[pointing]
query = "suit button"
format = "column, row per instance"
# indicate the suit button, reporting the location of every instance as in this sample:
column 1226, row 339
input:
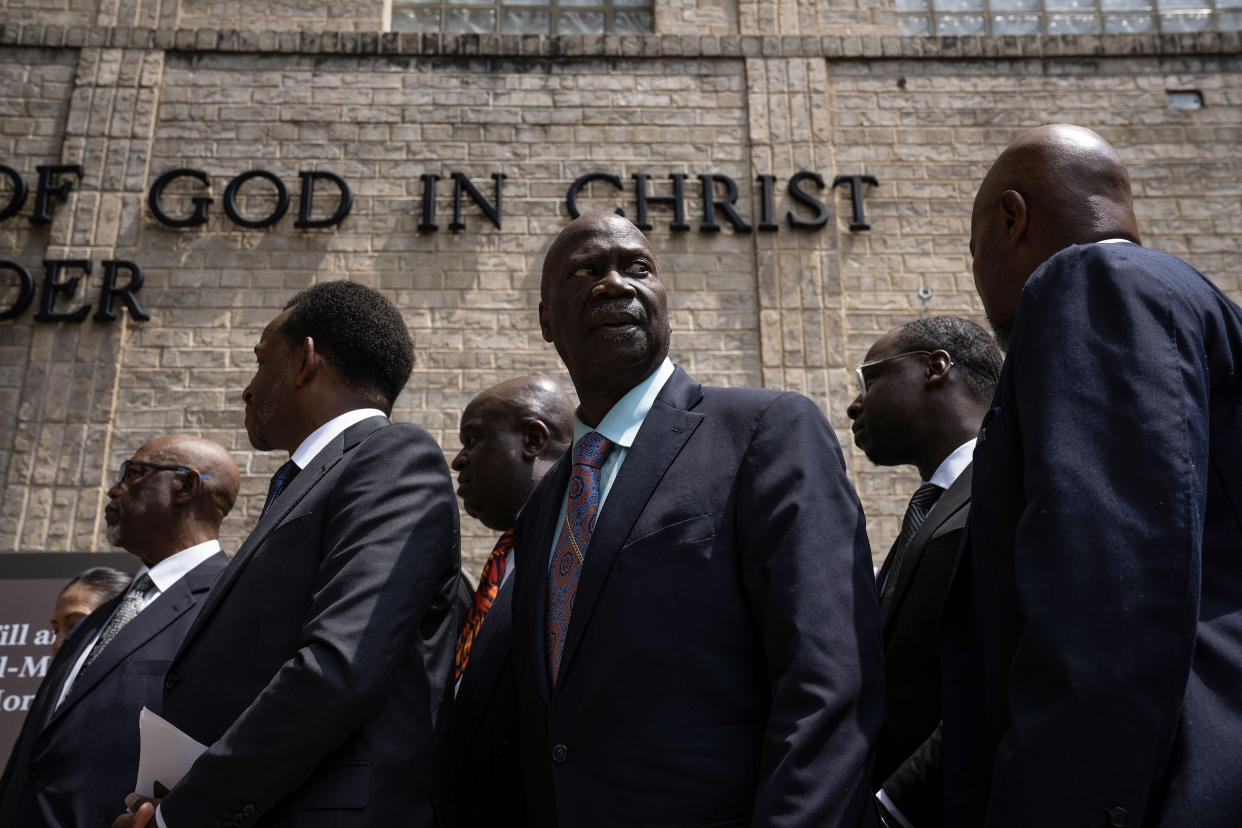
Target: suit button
column 1117, row 817
column 31, row 776
column 170, row 681
column 560, row 753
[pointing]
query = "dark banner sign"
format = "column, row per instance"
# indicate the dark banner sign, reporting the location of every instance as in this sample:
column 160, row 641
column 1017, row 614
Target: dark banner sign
column 29, row 585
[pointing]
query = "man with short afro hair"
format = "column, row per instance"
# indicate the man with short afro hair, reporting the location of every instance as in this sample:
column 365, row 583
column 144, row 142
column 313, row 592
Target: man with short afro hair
column 319, row 671
column 358, row 331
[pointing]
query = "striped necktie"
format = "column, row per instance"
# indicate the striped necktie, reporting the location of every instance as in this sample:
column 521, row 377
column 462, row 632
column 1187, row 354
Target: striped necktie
column 282, row 478
column 916, row 513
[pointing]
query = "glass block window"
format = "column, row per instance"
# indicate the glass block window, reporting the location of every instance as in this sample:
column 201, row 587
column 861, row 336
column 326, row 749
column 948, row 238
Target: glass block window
column 523, row 16
column 1019, row 17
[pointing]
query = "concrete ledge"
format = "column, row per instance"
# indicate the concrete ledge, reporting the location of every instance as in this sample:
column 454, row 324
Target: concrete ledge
column 852, row 47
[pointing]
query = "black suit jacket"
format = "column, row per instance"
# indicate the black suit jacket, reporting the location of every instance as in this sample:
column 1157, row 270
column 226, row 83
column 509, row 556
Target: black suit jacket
column 722, row 665
column 908, row 751
column 483, row 742
column 73, row 765
column 321, row 663
column 1092, row 657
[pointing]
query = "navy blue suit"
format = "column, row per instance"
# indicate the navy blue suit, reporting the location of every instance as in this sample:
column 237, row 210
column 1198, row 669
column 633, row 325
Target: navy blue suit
column 321, row 664
column 722, row 664
column 483, row 738
column 73, row 765
column 1092, row 650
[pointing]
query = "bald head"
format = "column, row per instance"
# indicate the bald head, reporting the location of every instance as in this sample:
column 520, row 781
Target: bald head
column 603, row 305
column 174, row 494
column 511, row 434
column 1053, row 187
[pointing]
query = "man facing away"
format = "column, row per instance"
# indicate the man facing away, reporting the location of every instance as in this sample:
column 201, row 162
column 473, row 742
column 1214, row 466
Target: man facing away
column 1093, row 630
column 511, row 434
column 320, row 667
column 165, row 509
column 695, row 619
column 923, row 390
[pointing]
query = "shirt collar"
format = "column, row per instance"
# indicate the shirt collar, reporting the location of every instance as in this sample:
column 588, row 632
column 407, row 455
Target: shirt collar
column 951, row 467
column 170, row 570
column 1114, row 241
column 320, row 437
column 625, row 418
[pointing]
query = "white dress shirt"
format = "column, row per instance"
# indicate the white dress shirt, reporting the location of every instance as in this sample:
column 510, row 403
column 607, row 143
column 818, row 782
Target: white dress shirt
column 163, row 575
column 326, row 433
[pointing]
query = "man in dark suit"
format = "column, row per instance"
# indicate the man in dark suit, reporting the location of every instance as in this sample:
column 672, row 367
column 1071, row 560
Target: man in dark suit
column 320, row 666
column 511, row 434
column 166, row 510
column 707, row 652
column 923, row 390
column 1093, row 630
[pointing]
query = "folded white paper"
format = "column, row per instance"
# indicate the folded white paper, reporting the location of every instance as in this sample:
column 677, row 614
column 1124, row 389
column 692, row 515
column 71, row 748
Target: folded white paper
column 165, row 754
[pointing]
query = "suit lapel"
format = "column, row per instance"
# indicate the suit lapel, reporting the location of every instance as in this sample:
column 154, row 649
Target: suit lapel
column 84, row 634
column 167, row 607
column 301, row 485
column 487, row 661
column 664, row 433
column 949, row 504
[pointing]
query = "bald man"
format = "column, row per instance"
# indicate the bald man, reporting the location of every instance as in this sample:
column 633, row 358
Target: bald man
column 1092, row 649
column 165, row 508
column 511, row 434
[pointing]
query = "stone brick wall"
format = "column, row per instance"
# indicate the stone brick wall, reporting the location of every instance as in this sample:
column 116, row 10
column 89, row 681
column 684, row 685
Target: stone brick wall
column 789, row 309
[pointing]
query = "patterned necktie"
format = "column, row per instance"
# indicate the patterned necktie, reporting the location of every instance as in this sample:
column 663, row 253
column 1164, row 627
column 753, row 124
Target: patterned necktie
column 571, row 546
column 489, row 585
column 920, row 506
column 125, row 612
column 282, row 478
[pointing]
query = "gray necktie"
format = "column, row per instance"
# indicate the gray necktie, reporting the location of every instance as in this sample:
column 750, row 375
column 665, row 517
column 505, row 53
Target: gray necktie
column 920, row 507
column 126, row 611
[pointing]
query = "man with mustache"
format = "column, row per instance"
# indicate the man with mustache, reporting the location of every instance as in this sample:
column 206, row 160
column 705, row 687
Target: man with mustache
column 511, row 434
column 697, row 635
column 1092, row 648
column 165, row 508
column 319, row 670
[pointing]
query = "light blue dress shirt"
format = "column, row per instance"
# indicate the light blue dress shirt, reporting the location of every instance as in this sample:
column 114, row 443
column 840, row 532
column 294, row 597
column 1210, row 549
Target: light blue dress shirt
column 620, row 425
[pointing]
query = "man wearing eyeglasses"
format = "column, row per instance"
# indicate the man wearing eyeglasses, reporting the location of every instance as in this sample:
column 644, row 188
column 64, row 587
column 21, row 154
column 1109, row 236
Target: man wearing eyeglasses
column 165, row 508
column 1092, row 653
column 922, row 392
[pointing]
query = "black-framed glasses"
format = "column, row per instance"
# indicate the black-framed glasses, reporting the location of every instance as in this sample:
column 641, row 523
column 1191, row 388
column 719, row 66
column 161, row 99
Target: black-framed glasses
column 133, row 470
column 862, row 380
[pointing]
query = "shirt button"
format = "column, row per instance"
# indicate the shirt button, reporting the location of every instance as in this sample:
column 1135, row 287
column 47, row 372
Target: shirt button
column 560, row 754
column 1117, row 817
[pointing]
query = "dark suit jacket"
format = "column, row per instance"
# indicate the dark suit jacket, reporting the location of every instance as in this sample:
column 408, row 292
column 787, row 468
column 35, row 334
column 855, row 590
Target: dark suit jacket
column 320, row 665
column 73, row 765
column 483, row 741
column 1092, row 657
column 908, row 751
column 722, row 665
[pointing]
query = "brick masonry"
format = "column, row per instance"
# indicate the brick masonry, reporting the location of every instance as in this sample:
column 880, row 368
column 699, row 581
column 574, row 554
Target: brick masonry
column 732, row 88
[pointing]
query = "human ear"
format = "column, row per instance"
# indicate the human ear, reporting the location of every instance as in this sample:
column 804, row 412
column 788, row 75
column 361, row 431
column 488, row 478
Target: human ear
column 938, row 365
column 535, row 438
column 308, row 360
column 545, row 321
column 1014, row 213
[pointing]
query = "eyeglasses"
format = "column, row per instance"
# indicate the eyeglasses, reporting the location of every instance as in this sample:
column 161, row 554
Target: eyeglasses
column 133, row 470
column 862, row 380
